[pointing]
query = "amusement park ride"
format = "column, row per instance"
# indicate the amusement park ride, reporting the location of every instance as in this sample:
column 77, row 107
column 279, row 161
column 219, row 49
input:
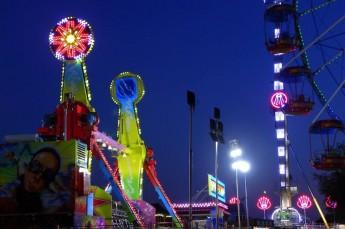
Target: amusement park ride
column 284, row 41
column 72, row 131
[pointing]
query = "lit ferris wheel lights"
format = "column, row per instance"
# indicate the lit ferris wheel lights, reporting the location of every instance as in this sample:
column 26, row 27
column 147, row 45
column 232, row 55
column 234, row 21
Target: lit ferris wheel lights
column 279, row 99
column 331, row 203
column 71, row 39
column 264, row 203
column 304, row 202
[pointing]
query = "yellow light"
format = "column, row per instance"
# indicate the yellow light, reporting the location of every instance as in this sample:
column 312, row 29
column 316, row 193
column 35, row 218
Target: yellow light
column 70, row 38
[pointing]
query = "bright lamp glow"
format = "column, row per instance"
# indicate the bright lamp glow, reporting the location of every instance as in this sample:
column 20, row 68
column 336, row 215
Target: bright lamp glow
column 241, row 165
column 237, row 152
column 235, row 149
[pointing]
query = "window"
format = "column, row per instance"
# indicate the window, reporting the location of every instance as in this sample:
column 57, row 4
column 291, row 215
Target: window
column 281, row 169
column 280, row 133
column 278, row 85
column 281, row 151
column 279, row 116
column 277, row 67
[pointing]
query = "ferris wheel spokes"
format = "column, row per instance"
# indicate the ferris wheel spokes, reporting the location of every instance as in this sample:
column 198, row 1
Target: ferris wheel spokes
column 315, row 8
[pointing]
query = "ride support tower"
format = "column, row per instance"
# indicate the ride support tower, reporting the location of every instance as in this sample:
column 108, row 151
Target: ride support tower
column 127, row 89
column 71, row 40
column 288, row 98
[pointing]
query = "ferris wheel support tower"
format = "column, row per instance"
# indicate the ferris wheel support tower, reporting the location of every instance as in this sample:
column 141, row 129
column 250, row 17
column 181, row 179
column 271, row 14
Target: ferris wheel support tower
column 281, row 42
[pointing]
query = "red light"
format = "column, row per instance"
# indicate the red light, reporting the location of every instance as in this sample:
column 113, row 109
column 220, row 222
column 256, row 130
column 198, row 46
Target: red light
column 279, row 99
column 331, row 203
column 263, row 203
column 234, row 200
column 304, row 202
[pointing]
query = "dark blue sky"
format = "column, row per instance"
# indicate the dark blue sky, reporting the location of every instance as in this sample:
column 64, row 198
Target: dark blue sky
column 215, row 48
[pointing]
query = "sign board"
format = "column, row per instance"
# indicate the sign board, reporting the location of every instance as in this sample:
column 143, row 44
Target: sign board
column 212, row 188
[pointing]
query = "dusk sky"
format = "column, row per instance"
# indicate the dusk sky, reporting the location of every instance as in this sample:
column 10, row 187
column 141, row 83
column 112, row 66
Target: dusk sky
column 214, row 48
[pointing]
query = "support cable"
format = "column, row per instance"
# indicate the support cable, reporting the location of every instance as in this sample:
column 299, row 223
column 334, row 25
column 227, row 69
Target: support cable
column 309, row 188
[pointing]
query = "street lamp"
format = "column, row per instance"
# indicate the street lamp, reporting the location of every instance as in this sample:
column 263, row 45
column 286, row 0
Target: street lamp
column 235, row 152
column 235, row 149
column 244, row 168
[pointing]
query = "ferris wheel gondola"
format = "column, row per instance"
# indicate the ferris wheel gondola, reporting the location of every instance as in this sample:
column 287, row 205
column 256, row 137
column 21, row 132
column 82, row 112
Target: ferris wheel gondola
column 282, row 40
column 295, row 76
column 320, row 24
column 332, row 154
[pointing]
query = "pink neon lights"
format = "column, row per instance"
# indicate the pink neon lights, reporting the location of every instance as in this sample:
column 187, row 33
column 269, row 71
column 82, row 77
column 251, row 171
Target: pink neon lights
column 117, row 181
column 331, row 203
column 71, row 39
column 279, row 99
column 263, row 203
column 200, row 205
column 234, row 200
column 304, row 202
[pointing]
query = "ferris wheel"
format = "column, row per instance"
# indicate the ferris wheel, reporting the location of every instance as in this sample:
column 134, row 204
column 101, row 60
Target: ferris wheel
column 321, row 32
column 309, row 39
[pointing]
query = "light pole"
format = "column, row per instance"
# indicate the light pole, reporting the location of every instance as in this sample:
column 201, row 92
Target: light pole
column 216, row 132
column 191, row 103
column 235, row 152
column 244, row 168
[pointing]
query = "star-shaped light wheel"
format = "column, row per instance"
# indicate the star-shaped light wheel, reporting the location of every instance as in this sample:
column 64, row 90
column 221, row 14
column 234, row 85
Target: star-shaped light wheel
column 71, row 39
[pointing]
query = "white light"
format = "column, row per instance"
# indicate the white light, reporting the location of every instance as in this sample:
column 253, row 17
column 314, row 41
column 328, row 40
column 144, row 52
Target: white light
column 278, row 85
column 280, row 133
column 237, row 152
column 279, row 116
column 281, row 151
column 282, row 184
column 277, row 67
column 276, row 33
column 241, row 165
column 281, row 169
column 51, row 38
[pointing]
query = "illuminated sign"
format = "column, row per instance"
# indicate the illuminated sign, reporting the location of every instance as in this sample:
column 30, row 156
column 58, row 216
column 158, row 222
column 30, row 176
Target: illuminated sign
column 304, row 202
column 263, row 203
column 234, row 200
column 279, row 99
column 330, row 203
column 212, row 188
